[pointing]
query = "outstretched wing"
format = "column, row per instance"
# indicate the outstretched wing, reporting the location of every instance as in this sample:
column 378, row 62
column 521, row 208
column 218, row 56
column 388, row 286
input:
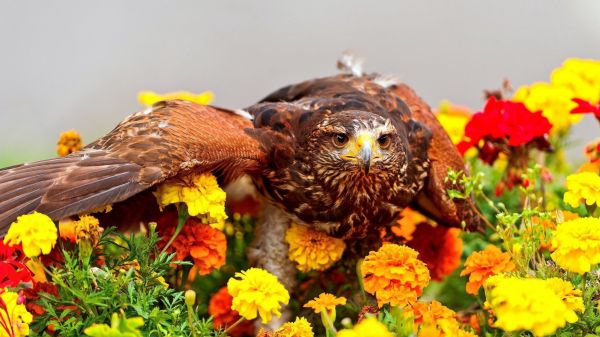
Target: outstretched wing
column 170, row 139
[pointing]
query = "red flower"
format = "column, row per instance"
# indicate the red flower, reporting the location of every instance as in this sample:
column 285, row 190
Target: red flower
column 223, row 316
column 439, row 247
column 504, row 120
column 12, row 269
column 32, row 295
column 584, row 107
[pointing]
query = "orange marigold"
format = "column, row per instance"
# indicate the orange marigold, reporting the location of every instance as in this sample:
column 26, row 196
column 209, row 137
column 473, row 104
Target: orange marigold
column 481, row 265
column 68, row 142
column 439, row 247
column 325, row 301
column 219, row 307
column 430, row 312
column 394, row 275
column 205, row 245
column 409, row 219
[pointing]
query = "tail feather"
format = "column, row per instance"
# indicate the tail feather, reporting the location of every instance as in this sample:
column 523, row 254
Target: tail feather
column 65, row 186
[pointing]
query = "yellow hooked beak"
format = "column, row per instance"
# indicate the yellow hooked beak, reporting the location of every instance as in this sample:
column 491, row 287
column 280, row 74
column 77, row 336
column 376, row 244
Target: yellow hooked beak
column 363, row 150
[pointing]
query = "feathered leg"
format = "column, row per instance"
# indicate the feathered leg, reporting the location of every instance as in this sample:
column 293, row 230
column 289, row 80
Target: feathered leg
column 270, row 252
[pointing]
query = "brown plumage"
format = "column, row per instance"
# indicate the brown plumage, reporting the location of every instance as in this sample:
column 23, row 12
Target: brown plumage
column 342, row 153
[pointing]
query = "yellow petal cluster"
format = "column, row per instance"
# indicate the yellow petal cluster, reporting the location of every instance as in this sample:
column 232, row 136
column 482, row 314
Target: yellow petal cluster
column 529, row 304
column 369, row 327
column 202, row 195
column 576, row 244
column 326, row 302
column 299, row 328
column 15, row 316
column 88, row 229
column 434, row 319
column 256, row 292
column 312, row 249
column 570, row 296
column 149, row 97
column 68, row 142
column 394, row 275
column 576, row 78
column 36, row 232
column 453, row 118
column 583, row 186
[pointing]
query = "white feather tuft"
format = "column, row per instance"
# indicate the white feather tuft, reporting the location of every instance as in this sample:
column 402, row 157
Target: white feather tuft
column 386, row 81
column 243, row 113
column 348, row 63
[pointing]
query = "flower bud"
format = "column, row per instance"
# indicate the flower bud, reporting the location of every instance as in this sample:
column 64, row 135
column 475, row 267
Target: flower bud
column 190, row 297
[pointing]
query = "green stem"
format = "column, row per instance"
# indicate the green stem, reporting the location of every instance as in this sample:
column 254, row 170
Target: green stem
column 361, row 284
column 231, row 327
column 183, row 215
column 327, row 322
column 191, row 320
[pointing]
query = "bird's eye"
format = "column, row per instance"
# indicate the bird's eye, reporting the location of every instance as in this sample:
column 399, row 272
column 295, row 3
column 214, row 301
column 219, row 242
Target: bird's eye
column 384, row 141
column 340, row 140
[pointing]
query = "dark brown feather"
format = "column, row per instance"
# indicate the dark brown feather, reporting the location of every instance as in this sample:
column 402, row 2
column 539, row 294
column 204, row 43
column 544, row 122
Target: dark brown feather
column 170, row 139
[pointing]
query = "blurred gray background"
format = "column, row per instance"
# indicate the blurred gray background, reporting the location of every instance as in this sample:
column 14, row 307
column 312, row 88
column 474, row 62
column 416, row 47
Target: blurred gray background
column 80, row 64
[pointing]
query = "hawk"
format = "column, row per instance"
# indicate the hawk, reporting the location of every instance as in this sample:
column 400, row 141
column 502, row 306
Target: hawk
column 344, row 154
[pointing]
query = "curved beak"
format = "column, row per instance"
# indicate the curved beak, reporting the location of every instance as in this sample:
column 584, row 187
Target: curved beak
column 365, row 155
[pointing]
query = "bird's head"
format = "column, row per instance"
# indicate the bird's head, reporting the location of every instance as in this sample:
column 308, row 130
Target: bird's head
column 358, row 142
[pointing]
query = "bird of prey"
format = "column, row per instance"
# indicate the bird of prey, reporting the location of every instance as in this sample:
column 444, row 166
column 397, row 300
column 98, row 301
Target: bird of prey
column 344, row 154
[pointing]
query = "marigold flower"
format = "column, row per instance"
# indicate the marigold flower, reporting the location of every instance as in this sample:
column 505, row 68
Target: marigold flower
column 256, row 292
column 428, row 312
column 35, row 232
column 369, row 327
column 407, row 224
column 202, row 195
column 583, row 186
column 453, row 118
column 148, row 98
column 325, row 302
column 88, row 229
column 394, row 275
column 68, row 142
column 12, row 269
column 14, row 317
column 439, row 247
column 576, row 244
column 219, row 307
column 312, row 249
column 570, row 296
column 481, row 265
column 527, row 304
column 299, row 328
column 205, row 245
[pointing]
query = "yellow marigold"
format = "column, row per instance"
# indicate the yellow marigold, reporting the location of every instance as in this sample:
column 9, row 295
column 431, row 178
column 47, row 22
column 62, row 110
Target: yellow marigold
column 149, row 97
column 88, row 229
column 202, row 195
column 583, row 186
column 369, row 327
column 14, row 317
column 312, row 249
column 481, row 265
column 36, row 232
column 326, row 302
column 576, row 78
column 257, row 293
column 68, row 142
column 299, row 328
column 394, row 275
column 527, row 304
column 570, row 296
column 453, row 118
column 576, row 244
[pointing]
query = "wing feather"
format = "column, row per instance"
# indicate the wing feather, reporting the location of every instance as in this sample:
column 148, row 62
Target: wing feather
column 173, row 138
